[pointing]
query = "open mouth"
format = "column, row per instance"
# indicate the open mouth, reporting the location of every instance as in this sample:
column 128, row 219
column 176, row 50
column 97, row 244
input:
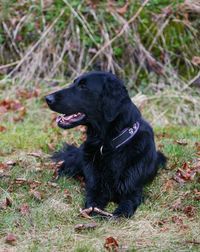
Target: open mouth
column 67, row 120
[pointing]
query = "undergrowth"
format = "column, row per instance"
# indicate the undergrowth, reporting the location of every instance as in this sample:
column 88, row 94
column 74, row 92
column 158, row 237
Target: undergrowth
column 153, row 47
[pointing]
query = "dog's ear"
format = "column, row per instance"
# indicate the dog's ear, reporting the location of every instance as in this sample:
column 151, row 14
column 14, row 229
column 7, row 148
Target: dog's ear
column 113, row 94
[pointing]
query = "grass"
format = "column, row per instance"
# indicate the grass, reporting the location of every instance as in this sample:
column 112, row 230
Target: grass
column 49, row 223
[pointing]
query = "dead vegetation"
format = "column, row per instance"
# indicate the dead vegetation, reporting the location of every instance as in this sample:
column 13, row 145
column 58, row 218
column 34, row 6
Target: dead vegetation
column 153, row 47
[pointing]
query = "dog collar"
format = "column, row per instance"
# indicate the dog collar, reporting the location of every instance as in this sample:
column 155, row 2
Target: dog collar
column 123, row 138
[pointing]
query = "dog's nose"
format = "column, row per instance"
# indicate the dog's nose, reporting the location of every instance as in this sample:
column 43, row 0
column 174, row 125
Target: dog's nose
column 50, row 99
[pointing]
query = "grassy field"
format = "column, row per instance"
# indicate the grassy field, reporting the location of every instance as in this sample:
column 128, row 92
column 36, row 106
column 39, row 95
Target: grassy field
column 42, row 215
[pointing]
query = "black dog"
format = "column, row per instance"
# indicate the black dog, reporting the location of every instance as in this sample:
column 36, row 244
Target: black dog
column 119, row 156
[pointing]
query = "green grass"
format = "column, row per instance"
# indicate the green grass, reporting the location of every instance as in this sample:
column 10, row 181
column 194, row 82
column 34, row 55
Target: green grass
column 49, row 226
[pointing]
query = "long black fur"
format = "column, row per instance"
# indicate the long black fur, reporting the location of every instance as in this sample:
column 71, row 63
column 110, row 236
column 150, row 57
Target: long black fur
column 117, row 176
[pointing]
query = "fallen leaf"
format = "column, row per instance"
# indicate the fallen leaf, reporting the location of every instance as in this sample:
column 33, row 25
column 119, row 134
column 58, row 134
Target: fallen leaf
column 11, row 163
column 176, row 205
column 21, row 114
column 31, row 183
column 10, row 104
column 197, row 145
column 11, row 239
column 3, row 167
column 196, row 194
column 177, row 220
column 6, row 203
column 187, row 172
column 123, row 10
column 85, row 212
column 111, row 244
column 36, row 194
column 3, row 110
column 196, row 60
column 67, row 196
column 160, row 223
column 2, row 128
column 55, row 175
column 24, row 209
column 189, row 211
column 168, row 186
column 51, row 146
column 181, row 142
column 27, row 94
column 85, row 226
column 193, row 242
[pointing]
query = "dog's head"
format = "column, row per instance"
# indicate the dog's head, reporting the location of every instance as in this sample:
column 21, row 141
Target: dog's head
column 94, row 96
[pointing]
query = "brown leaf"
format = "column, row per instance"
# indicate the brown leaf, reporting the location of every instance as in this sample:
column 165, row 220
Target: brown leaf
column 51, row 146
column 181, row 142
column 197, row 145
column 31, row 183
column 189, row 211
column 111, row 244
column 24, row 209
column 123, row 10
column 196, row 60
column 10, row 104
column 2, row 128
column 85, row 226
column 85, row 212
column 27, row 94
column 178, row 179
column 20, row 181
column 36, row 194
column 3, row 167
column 161, row 223
column 196, row 194
column 169, row 185
column 3, row 110
column 67, row 196
column 11, row 239
column 55, row 175
column 177, row 220
column 7, row 203
column 21, row 114
column 186, row 172
column 176, row 205
column 11, row 163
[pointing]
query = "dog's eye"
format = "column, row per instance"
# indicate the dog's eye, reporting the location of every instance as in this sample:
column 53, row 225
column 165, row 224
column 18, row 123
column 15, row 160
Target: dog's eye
column 82, row 84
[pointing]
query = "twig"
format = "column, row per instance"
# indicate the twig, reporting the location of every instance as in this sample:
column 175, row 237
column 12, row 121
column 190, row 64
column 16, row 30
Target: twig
column 82, row 21
column 101, row 212
column 11, row 39
column 9, row 65
column 117, row 36
column 36, row 44
column 85, row 212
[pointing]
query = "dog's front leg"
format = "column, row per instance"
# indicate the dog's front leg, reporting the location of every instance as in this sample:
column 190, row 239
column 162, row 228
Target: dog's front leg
column 95, row 198
column 128, row 204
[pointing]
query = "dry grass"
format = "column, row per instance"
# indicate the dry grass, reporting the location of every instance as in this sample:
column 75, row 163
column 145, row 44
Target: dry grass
column 87, row 42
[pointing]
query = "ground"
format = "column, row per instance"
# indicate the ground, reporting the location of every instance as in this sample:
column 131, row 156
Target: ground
column 37, row 214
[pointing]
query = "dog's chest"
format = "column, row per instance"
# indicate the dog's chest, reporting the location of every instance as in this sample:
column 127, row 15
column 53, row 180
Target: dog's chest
column 107, row 167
